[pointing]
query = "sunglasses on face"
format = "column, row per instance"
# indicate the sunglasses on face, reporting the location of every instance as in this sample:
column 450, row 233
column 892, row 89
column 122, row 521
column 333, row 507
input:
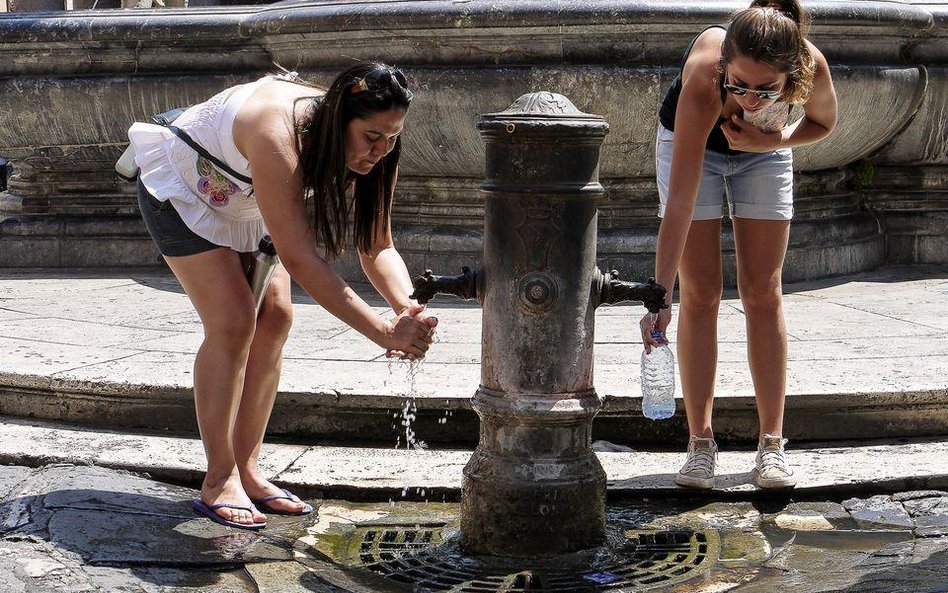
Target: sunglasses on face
column 380, row 80
column 762, row 95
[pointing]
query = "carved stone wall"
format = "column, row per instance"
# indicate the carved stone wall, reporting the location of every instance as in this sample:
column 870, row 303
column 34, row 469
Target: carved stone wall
column 71, row 83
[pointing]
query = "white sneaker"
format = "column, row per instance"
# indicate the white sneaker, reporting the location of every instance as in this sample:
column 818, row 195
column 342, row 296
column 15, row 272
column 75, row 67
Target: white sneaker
column 698, row 471
column 773, row 470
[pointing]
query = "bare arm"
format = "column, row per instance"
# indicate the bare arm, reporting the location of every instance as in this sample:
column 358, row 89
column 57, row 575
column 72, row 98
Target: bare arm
column 698, row 107
column 386, row 270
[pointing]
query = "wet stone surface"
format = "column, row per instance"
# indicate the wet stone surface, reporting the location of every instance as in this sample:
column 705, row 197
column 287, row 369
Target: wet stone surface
column 929, row 510
column 822, row 549
column 878, row 512
column 281, row 577
column 814, row 516
column 155, row 540
column 84, row 529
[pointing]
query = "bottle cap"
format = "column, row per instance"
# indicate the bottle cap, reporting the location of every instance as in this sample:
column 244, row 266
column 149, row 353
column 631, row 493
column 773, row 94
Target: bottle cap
column 266, row 246
column 658, row 335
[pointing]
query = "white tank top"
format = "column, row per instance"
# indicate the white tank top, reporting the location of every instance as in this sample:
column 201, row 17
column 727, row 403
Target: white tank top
column 214, row 205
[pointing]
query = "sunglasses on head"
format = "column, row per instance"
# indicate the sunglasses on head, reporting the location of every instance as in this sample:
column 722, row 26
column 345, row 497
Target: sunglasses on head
column 381, row 79
column 762, row 95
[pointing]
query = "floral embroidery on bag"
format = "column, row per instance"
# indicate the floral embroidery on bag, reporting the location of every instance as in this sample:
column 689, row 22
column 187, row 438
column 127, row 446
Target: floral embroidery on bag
column 213, row 184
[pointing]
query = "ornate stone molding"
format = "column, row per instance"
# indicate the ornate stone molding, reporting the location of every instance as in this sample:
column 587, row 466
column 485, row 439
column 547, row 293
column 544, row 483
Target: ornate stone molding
column 70, row 84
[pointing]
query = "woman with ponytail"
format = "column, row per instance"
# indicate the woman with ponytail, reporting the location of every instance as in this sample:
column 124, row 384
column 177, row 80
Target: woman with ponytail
column 301, row 163
column 724, row 137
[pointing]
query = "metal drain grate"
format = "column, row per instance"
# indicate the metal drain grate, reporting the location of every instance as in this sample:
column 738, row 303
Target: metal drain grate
column 640, row 560
column 387, row 543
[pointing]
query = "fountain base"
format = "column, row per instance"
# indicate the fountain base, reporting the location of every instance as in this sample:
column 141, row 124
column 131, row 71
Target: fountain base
column 418, row 546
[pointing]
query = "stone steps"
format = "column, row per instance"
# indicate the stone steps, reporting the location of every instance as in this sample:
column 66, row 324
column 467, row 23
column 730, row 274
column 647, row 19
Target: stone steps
column 363, row 416
column 381, row 473
column 866, row 360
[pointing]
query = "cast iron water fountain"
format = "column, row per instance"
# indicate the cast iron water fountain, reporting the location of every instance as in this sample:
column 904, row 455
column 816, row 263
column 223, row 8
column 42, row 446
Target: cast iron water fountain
column 533, row 513
column 534, row 485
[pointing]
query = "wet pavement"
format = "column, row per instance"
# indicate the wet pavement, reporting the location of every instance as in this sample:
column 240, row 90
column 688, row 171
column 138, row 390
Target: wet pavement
column 85, row 529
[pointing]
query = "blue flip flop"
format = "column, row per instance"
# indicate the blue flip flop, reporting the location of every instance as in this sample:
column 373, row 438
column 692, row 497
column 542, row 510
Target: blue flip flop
column 209, row 510
column 264, row 504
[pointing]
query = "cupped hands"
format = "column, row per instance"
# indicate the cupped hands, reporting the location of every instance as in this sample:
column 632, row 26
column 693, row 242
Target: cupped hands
column 412, row 333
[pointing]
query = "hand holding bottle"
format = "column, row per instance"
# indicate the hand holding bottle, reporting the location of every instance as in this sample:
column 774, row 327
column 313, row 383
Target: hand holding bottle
column 650, row 323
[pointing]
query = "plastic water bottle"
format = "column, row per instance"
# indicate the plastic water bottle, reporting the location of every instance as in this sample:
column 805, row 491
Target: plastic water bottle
column 261, row 269
column 658, row 380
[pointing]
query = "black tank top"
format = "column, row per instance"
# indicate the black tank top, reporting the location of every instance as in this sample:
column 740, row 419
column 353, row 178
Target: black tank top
column 717, row 141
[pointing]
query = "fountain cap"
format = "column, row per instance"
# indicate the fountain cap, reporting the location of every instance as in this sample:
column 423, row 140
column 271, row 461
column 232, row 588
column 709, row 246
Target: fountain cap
column 542, row 110
column 544, row 103
column 542, row 144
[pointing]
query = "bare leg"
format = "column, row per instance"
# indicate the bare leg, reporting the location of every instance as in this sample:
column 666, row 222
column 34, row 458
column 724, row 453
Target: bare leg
column 761, row 247
column 216, row 284
column 260, row 388
column 700, row 286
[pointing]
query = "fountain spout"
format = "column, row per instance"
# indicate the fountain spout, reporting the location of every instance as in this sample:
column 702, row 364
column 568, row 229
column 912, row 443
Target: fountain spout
column 428, row 285
column 611, row 290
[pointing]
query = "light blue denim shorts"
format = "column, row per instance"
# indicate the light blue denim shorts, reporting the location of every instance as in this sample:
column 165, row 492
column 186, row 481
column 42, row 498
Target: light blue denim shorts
column 754, row 185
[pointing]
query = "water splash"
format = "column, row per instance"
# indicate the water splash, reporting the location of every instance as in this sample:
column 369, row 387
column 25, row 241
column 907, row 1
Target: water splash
column 408, row 416
column 403, row 421
column 409, row 412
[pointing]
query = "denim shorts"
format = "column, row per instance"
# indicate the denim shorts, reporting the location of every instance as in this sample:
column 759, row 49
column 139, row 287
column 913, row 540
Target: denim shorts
column 754, row 185
column 171, row 235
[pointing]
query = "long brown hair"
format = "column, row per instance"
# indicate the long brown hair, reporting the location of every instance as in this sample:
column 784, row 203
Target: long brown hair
column 773, row 32
column 326, row 178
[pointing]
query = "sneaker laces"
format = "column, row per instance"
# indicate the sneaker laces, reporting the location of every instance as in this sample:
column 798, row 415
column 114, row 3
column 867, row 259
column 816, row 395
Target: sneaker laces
column 772, row 456
column 700, row 459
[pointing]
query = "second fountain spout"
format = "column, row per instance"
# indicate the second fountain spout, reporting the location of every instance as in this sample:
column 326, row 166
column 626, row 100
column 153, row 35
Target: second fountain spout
column 612, row 291
column 428, row 285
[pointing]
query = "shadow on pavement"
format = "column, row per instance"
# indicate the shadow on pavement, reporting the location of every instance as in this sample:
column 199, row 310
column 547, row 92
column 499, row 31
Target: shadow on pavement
column 91, row 519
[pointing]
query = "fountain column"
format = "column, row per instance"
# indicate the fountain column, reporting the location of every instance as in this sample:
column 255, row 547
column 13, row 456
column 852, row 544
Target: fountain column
column 534, row 485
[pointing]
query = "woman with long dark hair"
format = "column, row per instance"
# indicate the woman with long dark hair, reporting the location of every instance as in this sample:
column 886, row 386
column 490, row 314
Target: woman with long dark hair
column 305, row 165
column 725, row 138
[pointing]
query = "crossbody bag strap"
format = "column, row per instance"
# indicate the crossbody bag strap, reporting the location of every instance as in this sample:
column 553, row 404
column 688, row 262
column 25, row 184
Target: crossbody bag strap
column 204, row 153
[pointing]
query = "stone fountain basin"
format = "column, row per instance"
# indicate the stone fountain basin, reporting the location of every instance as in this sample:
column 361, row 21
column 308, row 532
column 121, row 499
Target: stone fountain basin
column 71, row 83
